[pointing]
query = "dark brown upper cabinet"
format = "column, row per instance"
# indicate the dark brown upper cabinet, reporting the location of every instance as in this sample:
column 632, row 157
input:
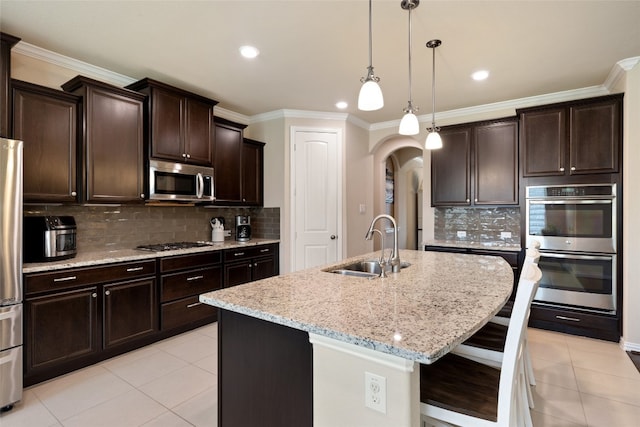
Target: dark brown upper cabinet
column 46, row 120
column 477, row 165
column 179, row 124
column 252, row 172
column 7, row 41
column 572, row 138
column 112, row 141
column 238, row 166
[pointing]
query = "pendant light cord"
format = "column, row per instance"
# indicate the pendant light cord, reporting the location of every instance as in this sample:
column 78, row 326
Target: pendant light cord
column 433, row 92
column 370, row 37
column 410, row 106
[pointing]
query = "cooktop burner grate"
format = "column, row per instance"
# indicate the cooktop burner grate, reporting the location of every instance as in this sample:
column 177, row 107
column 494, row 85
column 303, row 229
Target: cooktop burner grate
column 159, row 247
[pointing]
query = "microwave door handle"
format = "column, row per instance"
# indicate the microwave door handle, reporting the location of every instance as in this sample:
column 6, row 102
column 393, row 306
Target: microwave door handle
column 199, row 185
column 571, row 202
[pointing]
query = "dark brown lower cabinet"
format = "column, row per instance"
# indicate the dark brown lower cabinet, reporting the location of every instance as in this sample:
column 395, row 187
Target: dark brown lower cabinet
column 180, row 287
column 130, row 311
column 76, row 317
column 61, row 328
column 265, row 373
column 243, row 265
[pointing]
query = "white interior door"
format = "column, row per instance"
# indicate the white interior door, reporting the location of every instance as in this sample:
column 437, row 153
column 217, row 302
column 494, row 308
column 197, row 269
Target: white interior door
column 316, row 197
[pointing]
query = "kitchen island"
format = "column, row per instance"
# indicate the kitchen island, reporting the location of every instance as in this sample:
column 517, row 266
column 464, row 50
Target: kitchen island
column 295, row 349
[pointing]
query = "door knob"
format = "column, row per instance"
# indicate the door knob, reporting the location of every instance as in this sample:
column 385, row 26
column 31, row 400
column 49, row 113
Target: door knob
column 334, row 237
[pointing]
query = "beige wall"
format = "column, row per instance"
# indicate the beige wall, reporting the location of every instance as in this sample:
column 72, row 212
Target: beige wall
column 631, row 210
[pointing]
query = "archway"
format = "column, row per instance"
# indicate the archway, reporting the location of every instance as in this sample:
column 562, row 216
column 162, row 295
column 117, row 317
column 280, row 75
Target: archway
column 406, row 155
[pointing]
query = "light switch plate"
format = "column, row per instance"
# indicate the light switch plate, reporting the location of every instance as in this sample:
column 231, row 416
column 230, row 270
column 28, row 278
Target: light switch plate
column 461, row 234
column 505, row 234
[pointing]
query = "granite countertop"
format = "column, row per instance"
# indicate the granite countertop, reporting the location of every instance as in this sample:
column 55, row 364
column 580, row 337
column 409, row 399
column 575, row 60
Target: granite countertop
column 85, row 259
column 493, row 246
column 418, row 314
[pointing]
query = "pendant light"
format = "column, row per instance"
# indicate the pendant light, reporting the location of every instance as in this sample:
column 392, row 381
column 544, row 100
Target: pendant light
column 433, row 139
column 370, row 97
column 409, row 124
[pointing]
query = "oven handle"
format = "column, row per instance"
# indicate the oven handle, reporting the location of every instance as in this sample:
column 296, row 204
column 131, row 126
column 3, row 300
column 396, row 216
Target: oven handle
column 571, row 202
column 576, row 256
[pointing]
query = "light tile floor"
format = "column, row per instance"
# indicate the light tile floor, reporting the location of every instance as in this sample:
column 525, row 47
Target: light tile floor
column 580, row 383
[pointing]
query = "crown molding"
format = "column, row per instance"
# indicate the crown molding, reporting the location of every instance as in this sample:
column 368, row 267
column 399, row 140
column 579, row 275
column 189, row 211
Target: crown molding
column 231, row 115
column 81, row 67
column 513, row 104
column 298, row 114
column 618, row 71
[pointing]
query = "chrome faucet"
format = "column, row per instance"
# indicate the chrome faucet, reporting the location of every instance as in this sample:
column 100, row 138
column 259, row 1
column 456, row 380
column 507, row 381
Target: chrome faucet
column 395, row 255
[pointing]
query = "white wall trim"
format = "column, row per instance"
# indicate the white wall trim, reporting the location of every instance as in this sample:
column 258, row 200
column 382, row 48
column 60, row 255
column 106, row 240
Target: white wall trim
column 81, row 67
column 378, row 357
column 629, row 346
column 618, row 71
column 231, row 115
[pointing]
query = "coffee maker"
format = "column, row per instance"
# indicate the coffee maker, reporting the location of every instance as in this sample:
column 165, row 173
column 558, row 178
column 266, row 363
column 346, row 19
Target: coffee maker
column 243, row 228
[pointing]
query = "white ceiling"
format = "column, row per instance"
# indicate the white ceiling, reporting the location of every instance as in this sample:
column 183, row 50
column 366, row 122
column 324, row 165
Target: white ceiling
column 313, row 53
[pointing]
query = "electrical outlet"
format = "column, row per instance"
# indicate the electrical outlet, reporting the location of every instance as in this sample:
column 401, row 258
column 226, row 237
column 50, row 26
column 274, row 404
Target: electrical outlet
column 375, row 392
column 461, row 234
column 505, row 234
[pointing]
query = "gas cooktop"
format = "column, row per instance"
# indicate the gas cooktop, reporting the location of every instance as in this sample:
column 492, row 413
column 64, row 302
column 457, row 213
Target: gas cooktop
column 159, row 247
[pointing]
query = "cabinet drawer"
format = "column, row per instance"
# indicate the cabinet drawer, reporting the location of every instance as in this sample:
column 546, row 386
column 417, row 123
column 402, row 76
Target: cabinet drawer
column 189, row 283
column 43, row 282
column 574, row 322
column 238, row 254
column 183, row 262
column 185, row 311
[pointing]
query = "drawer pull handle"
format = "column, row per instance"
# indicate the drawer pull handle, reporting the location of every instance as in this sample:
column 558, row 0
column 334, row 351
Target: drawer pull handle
column 194, row 304
column 264, row 250
column 573, row 319
column 129, row 270
column 238, row 254
column 189, row 279
column 107, row 293
column 64, row 279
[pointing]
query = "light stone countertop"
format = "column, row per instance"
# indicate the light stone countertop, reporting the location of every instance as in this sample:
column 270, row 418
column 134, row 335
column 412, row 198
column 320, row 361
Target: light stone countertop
column 492, row 246
column 418, row 314
column 87, row 259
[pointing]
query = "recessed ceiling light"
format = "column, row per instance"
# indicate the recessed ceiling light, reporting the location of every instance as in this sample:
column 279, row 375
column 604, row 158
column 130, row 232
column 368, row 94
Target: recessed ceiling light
column 249, row 51
column 480, row 75
column 341, row 105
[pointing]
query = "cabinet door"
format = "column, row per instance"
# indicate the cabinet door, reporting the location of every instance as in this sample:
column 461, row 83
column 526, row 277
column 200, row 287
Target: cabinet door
column 227, row 166
column 264, row 267
column 60, row 328
column 198, row 139
column 543, row 136
column 252, row 172
column 166, row 125
column 595, row 138
column 496, row 164
column 237, row 273
column 450, row 169
column 46, row 120
column 130, row 311
column 113, row 147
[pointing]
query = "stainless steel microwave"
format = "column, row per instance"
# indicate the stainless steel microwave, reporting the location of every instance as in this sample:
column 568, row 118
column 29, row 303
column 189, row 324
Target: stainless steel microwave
column 180, row 182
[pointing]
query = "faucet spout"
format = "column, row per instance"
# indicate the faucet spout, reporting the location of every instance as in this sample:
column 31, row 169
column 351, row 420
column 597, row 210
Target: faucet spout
column 395, row 254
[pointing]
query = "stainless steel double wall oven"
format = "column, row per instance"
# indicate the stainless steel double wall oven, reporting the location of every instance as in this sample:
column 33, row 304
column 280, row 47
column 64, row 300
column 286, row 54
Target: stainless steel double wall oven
column 577, row 231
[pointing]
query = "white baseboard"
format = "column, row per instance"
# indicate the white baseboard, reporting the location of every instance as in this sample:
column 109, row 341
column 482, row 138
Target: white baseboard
column 629, row 346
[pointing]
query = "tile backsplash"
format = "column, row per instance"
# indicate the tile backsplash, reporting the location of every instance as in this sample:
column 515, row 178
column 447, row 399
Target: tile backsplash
column 124, row 227
column 482, row 225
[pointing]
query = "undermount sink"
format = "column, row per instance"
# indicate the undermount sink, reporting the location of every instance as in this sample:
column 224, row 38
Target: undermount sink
column 368, row 269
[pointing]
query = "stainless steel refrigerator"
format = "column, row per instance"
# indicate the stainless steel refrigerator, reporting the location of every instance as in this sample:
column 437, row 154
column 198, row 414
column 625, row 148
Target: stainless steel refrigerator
column 10, row 272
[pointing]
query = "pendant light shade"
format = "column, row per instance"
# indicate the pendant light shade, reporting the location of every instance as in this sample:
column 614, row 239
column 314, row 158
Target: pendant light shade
column 370, row 97
column 433, row 141
column 409, row 124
